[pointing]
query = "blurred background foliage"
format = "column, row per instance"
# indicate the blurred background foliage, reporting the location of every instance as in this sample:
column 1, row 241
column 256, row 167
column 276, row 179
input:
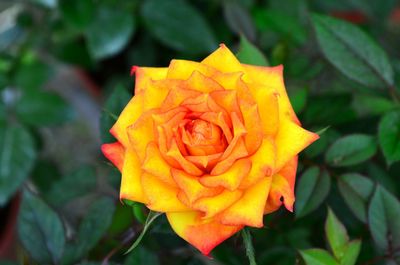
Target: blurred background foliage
column 64, row 77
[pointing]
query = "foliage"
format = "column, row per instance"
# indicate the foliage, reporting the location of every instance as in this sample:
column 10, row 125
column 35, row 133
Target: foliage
column 342, row 71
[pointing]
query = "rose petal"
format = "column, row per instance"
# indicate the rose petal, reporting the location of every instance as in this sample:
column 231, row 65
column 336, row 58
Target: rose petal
column 161, row 196
column 192, row 187
column 177, row 94
column 249, row 209
column 156, row 165
column 128, row 116
column 263, row 163
column 131, row 187
column 211, row 206
column 199, row 82
column 144, row 74
column 231, row 178
column 114, row 152
column 141, row 133
column 203, row 234
column 186, row 165
column 282, row 187
column 253, row 125
column 223, row 60
column 182, row 69
column 273, row 78
column 290, row 140
column 205, row 162
column 268, row 107
column 238, row 151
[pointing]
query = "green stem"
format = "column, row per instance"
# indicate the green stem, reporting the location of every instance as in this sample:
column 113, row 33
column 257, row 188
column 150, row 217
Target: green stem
column 248, row 244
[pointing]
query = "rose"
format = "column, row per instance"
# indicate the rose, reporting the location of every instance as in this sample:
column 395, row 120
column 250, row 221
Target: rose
column 212, row 144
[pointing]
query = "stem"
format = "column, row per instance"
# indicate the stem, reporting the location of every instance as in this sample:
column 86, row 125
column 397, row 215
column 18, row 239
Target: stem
column 248, row 244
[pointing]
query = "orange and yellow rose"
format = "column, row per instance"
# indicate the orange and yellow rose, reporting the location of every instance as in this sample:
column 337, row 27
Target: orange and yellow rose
column 212, row 144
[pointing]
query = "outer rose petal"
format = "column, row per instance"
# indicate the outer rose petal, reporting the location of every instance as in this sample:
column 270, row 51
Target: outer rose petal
column 290, row 140
column 145, row 74
column 223, row 60
column 263, row 163
column 131, row 187
column 214, row 205
column 156, row 165
column 114, row 152
column 161, row 196
column 273, row 78
column 283, row 186
column 203, row 234
column 199, row 82
column 128, row 116
column 182, row 69
column 248, row 210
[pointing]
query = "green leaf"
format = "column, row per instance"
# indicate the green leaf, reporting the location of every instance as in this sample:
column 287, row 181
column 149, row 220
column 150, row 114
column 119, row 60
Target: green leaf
column 17, row 156
column 336, row 234
column 72, row 186
column 4, row 262
column 109, row 32
column 389, row 136
column 77, row 13
column 42, row 108
column 151, row 217
column 46, row 3
column 289, row 27
column 353, row 52
column 250, row 54
column 32, row 75
column 323, row 142
column 351, row 253
column 178, row 25
column 298, row 98
column 91, row 229
column 248, row 244
column 111, row 110
column 40, row 230
column 311, row 191
column 239, row 20
column 317, row 257
column 141, row 255
column 383, row 219
column 351, row 150
column 367, row 105
column 356, row 191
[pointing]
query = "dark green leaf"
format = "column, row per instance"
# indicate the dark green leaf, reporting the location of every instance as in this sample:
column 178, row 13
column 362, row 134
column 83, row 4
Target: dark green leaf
column 356, row 191
column 71, row 186
column 372, row 104
column 239, row 19
column 383, row 219
column 17, row 156
column 351, row 150
column 112, row 108
column 178, row 25
column 40, row 230
column 311, row 191
column 42, row 108
column 77, row 13
column 389, row 136
column 250, row 54
column 351, row 253
column 32, row 75
column 323, row 142
column 317, row 257
column 92, row 228
column 353, row 52
column 298, row 98
column 4, row 262
column 336, row 234
column 141, row 255
column 46, row 3
column 289, row 27
column 109, row 32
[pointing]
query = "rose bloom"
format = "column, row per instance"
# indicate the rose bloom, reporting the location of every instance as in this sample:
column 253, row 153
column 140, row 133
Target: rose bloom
column 212, row 144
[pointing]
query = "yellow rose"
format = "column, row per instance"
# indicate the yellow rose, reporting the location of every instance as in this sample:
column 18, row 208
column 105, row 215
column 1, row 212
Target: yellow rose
column 212, row 144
